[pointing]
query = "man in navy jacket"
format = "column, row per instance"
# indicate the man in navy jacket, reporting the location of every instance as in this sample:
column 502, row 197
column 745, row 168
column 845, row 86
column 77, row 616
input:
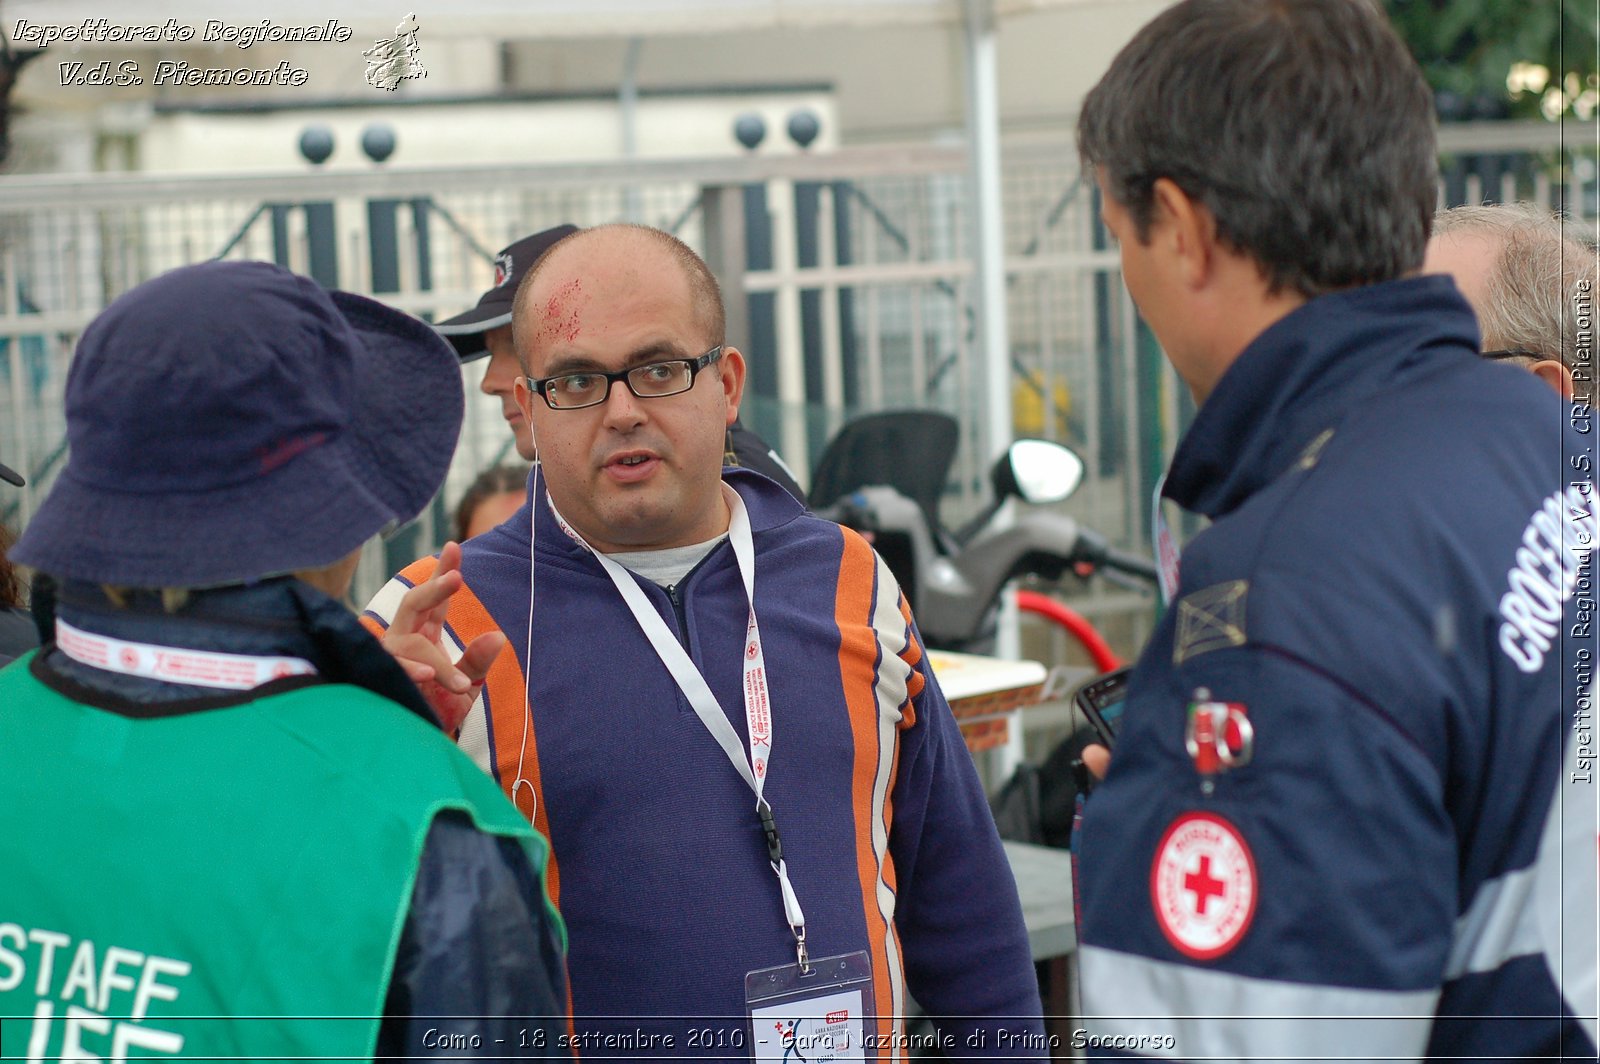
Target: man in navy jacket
column 1351, row 812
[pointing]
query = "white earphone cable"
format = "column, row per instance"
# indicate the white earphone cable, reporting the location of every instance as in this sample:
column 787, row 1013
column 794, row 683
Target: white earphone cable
column 527, row 659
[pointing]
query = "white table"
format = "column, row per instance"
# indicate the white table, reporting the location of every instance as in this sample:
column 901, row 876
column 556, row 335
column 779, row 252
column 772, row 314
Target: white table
column 986, row 694
column 1044, row 882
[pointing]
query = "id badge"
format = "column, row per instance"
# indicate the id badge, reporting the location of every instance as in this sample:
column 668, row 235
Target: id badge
column 811, row 1018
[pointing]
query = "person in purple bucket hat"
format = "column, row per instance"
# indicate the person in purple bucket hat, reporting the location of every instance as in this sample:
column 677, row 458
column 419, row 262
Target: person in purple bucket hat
column 235, row 828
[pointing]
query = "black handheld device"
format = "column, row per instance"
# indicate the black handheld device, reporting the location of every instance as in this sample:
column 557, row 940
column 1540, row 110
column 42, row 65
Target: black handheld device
column 1101, row 700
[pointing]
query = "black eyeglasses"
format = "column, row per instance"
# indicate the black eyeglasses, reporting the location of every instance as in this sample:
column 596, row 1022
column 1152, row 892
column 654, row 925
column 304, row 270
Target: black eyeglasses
column 655, row 380
column 1500, row 356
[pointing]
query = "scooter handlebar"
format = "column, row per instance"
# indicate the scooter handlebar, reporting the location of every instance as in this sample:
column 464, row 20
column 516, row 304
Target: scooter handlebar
column 1132, row 564
column 955, row 591
column 1093, row 548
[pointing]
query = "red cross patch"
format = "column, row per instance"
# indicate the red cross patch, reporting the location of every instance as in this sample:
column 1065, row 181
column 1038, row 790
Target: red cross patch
column 1203, row 885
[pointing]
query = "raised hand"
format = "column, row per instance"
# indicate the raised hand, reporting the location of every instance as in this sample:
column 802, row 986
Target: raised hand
column 415, row 638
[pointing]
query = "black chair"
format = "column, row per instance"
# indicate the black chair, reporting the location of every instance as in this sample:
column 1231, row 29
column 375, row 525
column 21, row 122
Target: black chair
column 909, row 450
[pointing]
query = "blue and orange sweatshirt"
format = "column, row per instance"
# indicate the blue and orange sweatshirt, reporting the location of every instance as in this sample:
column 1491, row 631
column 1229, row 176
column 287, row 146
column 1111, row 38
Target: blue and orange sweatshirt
column 658, row 861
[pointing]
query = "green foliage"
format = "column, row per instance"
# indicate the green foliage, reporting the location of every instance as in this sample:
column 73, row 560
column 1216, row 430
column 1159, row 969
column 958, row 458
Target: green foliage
column 1469, row 46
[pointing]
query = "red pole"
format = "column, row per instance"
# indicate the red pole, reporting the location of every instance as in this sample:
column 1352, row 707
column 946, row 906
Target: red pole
column 1076, row 625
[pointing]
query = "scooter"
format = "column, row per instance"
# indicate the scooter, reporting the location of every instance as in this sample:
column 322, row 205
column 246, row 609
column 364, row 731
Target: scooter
column 884, row 475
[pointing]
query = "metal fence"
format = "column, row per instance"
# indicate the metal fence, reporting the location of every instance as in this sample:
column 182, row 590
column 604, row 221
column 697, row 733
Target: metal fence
column 848, row 277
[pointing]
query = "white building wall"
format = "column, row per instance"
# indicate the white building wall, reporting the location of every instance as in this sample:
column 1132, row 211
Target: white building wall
column 889, row 83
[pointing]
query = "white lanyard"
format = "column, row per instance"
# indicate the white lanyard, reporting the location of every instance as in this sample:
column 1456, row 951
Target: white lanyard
column 196, row 668
column 757, row 706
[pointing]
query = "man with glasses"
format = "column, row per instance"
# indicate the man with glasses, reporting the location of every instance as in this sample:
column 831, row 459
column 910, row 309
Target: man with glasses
column 730, row 731
column 484, row 332
column 1532, row 285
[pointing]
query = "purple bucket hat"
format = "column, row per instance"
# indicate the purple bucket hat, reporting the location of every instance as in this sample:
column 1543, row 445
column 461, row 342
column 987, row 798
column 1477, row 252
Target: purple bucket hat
column 230, row 421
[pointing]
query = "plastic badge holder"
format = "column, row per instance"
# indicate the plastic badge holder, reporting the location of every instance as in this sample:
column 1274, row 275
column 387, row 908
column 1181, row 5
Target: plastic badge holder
column 815, row 1017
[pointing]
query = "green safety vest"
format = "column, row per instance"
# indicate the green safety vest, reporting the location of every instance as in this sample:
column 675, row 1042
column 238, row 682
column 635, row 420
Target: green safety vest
column 228, row 882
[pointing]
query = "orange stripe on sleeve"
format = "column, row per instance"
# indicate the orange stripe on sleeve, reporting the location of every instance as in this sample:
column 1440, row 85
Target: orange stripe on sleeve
column 420, row 570
column 911, row 655
column 857, row 655
column 414, row 574
column 514, row 741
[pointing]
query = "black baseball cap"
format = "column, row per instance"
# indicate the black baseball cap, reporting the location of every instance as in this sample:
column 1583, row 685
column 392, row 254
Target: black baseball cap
column 465, row 331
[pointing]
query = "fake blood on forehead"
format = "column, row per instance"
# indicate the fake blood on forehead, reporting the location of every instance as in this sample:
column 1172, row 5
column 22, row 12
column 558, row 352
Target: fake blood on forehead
column 561, row 314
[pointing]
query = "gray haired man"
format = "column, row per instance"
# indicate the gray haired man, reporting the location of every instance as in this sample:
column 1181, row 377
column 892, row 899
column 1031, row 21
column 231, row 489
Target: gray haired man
column 1531, row 281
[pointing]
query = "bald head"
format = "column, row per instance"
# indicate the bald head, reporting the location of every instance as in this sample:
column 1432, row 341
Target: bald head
column 549, row 295
column 614, row 309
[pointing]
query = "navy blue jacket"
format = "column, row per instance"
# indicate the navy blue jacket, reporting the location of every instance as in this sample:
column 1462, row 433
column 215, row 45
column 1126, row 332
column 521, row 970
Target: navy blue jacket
column 1388, row 630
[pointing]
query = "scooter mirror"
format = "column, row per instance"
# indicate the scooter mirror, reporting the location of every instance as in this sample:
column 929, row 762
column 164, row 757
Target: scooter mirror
column 1038, row 471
